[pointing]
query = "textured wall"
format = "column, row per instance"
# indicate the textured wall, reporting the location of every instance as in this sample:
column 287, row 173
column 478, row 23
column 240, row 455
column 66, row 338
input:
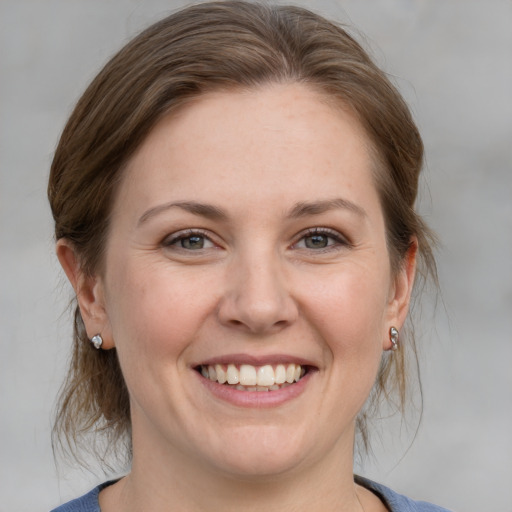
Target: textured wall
column 453, row 61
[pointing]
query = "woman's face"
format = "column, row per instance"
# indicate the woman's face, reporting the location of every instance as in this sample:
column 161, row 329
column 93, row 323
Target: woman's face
column 247, row 243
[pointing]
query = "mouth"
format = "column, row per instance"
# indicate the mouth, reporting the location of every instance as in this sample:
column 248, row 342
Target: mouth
column 246, row 377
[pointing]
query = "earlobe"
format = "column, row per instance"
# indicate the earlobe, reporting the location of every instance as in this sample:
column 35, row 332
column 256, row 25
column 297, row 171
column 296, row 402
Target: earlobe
column 402, row 289
column 89, row 293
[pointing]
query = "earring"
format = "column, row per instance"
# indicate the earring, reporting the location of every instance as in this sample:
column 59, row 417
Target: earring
column 393, row 336
column 97, row 341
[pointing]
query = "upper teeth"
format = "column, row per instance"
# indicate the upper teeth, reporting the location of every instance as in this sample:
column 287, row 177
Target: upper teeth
column 248, row 375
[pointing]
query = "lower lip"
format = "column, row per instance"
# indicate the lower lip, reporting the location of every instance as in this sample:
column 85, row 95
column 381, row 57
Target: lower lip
column 257, row 399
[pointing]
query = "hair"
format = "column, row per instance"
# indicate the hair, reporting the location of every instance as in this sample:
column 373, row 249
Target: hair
column 210, row 47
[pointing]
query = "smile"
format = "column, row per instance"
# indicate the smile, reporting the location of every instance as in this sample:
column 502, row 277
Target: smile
column 247, row 377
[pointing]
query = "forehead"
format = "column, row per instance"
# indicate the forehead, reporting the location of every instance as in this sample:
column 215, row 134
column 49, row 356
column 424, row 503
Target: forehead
column 282, row 140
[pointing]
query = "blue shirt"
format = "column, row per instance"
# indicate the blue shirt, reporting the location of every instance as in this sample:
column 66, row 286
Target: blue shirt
column 393, row 501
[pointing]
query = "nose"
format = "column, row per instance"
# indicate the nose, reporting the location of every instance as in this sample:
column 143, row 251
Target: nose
column 257, row 298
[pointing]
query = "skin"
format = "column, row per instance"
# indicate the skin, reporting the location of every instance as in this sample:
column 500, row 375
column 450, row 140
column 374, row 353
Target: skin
column 259, row 286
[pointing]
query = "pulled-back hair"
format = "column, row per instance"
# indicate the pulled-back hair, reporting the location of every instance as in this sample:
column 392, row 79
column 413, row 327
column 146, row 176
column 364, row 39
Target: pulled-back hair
column 209, row 47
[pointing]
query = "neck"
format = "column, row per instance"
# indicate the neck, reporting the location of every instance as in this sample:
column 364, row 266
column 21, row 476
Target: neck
column 168, row 476
column 163, row 481
column 200, row 492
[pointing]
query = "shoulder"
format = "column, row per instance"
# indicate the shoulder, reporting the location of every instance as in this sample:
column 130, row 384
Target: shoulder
column 397, row 502
column 86, row 503
column 394, row 501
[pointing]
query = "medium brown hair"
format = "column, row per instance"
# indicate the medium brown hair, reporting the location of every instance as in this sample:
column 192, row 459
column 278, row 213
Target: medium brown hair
column 203, row 48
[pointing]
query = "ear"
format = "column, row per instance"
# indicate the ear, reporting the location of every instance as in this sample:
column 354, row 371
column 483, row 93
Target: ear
column 400, row 292
column 90, row 294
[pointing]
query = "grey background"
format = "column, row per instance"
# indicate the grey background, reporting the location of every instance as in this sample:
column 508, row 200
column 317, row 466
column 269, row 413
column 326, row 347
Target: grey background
column 453, row 61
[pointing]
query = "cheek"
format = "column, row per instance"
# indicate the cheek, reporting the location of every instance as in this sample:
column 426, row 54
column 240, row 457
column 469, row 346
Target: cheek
column 349, row 308
column 155, row 312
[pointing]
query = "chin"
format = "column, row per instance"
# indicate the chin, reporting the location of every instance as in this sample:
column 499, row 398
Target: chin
column 262, row 468
column 260, row 453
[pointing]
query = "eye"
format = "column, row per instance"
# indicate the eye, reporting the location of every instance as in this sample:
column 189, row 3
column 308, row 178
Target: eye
column 189, row 241
column 318, row 239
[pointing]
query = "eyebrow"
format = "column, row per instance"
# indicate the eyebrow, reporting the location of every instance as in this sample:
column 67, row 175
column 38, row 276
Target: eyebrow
column 301, row 209
column 205, row 210
column 304, row 209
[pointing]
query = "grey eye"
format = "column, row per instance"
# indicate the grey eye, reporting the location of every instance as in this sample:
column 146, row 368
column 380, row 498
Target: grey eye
column 317, row 241
column 193, row 242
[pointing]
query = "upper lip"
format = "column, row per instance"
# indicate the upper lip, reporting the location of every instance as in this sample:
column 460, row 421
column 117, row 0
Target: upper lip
column 259, row 360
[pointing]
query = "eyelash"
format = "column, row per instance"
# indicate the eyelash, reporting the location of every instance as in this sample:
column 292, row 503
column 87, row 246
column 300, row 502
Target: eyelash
column 175, row 238
column 339, row 240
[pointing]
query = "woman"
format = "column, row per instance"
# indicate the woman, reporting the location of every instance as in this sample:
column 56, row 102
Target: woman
column 234, row 207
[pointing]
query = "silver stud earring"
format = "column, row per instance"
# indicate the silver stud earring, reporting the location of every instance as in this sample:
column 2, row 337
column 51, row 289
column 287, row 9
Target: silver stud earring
column 393, row 336
column 97, row 341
